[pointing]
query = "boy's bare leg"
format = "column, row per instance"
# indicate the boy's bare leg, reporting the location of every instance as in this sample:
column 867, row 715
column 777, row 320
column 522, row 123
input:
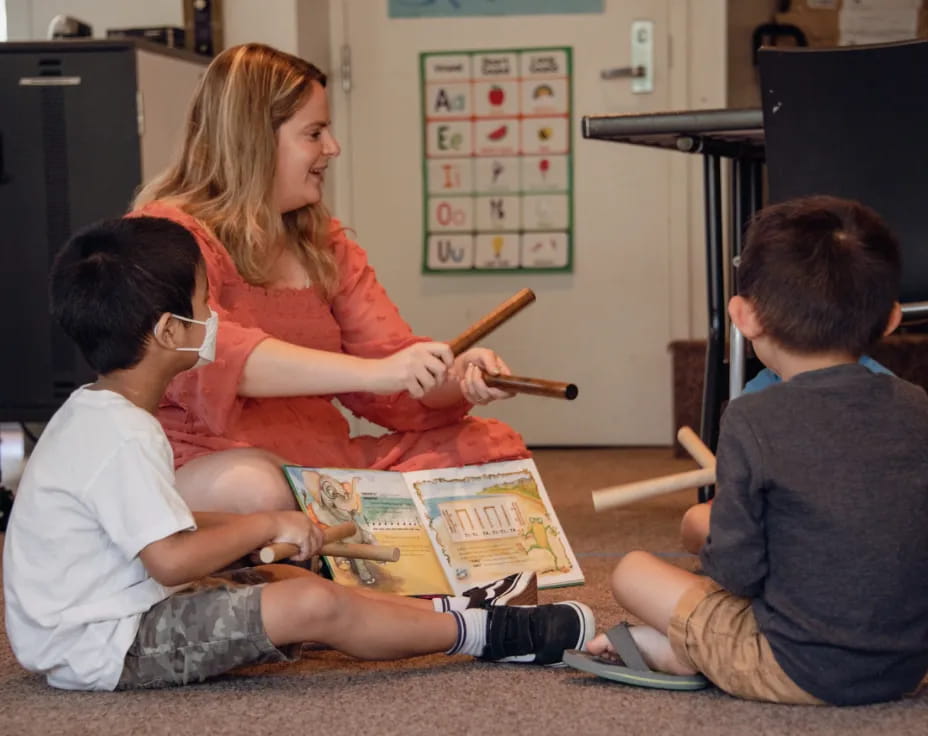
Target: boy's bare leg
column 422, row 604
column 284, row 572
column 649, row 589
column 694, row 529
column 315, row 609
column 242, row 480
column 277, row 573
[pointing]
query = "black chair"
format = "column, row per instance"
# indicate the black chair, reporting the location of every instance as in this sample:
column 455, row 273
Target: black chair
column 853, row 122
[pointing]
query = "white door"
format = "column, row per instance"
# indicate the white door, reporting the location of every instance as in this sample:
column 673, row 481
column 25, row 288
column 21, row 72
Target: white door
column 605, row 326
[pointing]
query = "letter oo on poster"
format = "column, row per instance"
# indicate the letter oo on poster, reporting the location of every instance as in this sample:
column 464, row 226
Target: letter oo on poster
column 448, row 216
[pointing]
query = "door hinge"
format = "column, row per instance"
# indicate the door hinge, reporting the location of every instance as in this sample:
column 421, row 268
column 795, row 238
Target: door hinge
column 140, row 112
column 345, row 68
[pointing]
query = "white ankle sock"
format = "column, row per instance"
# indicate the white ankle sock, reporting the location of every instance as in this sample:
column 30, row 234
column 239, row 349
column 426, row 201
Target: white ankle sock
column 472, row 632
column 445, row 603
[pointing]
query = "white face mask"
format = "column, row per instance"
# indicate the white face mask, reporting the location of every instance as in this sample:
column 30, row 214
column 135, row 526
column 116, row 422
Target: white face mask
column 206, row 351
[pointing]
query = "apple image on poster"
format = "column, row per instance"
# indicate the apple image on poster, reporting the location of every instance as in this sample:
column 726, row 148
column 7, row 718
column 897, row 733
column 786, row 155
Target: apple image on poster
column 496, row 96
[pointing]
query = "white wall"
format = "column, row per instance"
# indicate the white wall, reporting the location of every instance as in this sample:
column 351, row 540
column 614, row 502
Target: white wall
column 28, row 19
column 698, row 79
column 310, row 28
column 314, row 33
column 303, row 27
column 273, row 22
column 699, row 83
column 269, row 21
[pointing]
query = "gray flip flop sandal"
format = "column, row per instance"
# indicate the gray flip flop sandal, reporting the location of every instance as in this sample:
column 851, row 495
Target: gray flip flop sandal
column 634, row 671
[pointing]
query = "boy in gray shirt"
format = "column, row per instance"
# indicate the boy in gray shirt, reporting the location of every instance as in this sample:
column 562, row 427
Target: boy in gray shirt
column 816, row 587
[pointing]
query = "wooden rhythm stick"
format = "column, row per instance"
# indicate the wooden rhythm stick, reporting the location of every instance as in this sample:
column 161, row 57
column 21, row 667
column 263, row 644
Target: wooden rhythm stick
column 626, row 493
column 282, row 550
column 338, row 532
column 695, row 447
column 491, row 321
column 514, row 384
column 536, row 386
column 608, row 498
column 376, row 552
column 332, row 535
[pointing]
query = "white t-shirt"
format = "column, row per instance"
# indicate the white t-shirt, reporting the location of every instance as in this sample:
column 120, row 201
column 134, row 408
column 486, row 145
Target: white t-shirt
column 97, row 489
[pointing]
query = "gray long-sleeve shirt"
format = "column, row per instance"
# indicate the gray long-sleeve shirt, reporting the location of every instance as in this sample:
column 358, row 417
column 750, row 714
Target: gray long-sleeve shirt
column 821, row 517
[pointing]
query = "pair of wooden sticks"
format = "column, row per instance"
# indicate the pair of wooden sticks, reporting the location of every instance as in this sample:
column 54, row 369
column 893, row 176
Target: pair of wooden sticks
column 515, row 384
column 333, row 547
column 626, row 493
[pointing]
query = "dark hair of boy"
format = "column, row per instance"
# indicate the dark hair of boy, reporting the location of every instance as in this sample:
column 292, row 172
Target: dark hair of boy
column 112, row 282
column 822, row 274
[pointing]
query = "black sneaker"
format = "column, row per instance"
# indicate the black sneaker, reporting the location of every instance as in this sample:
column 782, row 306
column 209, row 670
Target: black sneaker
column 518, row 589
column 537, row 634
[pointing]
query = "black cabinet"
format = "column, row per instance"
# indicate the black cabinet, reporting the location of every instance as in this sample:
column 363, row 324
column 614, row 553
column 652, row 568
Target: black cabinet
column 71, row 149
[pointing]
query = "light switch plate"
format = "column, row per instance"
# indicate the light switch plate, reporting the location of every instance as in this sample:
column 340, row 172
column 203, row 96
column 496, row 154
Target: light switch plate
column 643, row 55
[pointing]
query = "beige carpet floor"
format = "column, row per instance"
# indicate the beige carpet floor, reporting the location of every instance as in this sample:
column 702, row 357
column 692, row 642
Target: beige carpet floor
column 326, row 694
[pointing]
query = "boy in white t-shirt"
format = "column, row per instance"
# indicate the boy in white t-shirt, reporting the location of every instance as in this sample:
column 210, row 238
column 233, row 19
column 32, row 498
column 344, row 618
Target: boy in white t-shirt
column 106, row 570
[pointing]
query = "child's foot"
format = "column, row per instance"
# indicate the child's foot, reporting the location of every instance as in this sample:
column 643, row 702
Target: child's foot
column 518, row 589
column 654, row 647
column 537, row 634
column 600, row 647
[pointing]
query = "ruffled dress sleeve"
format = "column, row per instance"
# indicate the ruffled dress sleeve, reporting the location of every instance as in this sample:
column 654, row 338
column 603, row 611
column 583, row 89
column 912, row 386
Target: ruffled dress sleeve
column 372, row 327
column 208, row 396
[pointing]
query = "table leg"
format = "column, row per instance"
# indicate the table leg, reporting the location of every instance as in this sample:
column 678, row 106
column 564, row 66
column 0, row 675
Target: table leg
column 745, row 198
column 713, row 388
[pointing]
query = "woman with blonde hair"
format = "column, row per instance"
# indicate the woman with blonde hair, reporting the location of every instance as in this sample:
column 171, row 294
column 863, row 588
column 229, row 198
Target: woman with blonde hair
column 302, row 317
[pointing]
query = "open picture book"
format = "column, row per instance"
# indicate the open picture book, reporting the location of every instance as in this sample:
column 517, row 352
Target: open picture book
column 455, row 527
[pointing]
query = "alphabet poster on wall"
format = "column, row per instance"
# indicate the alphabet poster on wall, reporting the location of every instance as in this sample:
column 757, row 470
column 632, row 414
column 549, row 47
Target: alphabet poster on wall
column 498, row 162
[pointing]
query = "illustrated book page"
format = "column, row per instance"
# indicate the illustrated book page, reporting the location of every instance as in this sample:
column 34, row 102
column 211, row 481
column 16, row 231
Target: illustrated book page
column 486, row 521
column 379, row 503
column 455, row 527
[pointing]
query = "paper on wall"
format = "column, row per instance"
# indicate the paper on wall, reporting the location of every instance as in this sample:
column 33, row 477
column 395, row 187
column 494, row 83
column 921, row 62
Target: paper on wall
column 880, row 4
column 869, row 21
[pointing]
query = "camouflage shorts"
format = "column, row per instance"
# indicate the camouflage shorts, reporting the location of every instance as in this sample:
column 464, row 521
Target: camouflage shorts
column 202, row 631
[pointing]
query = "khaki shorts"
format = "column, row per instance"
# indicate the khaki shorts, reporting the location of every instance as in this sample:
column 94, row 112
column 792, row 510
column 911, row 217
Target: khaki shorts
column 716, row 633
column 202, row 631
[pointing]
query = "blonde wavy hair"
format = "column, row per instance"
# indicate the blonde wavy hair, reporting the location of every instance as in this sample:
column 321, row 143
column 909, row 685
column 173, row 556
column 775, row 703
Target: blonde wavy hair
column 224, row 173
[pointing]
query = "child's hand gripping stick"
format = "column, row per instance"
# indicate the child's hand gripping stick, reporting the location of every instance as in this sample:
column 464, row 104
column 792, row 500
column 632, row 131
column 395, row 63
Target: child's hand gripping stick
column 333, row 547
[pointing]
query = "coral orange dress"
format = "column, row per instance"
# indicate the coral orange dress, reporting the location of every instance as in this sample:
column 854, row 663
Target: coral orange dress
column 203, row 413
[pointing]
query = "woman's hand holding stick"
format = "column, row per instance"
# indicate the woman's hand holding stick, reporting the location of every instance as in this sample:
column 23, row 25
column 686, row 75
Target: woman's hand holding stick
column 513, row 384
